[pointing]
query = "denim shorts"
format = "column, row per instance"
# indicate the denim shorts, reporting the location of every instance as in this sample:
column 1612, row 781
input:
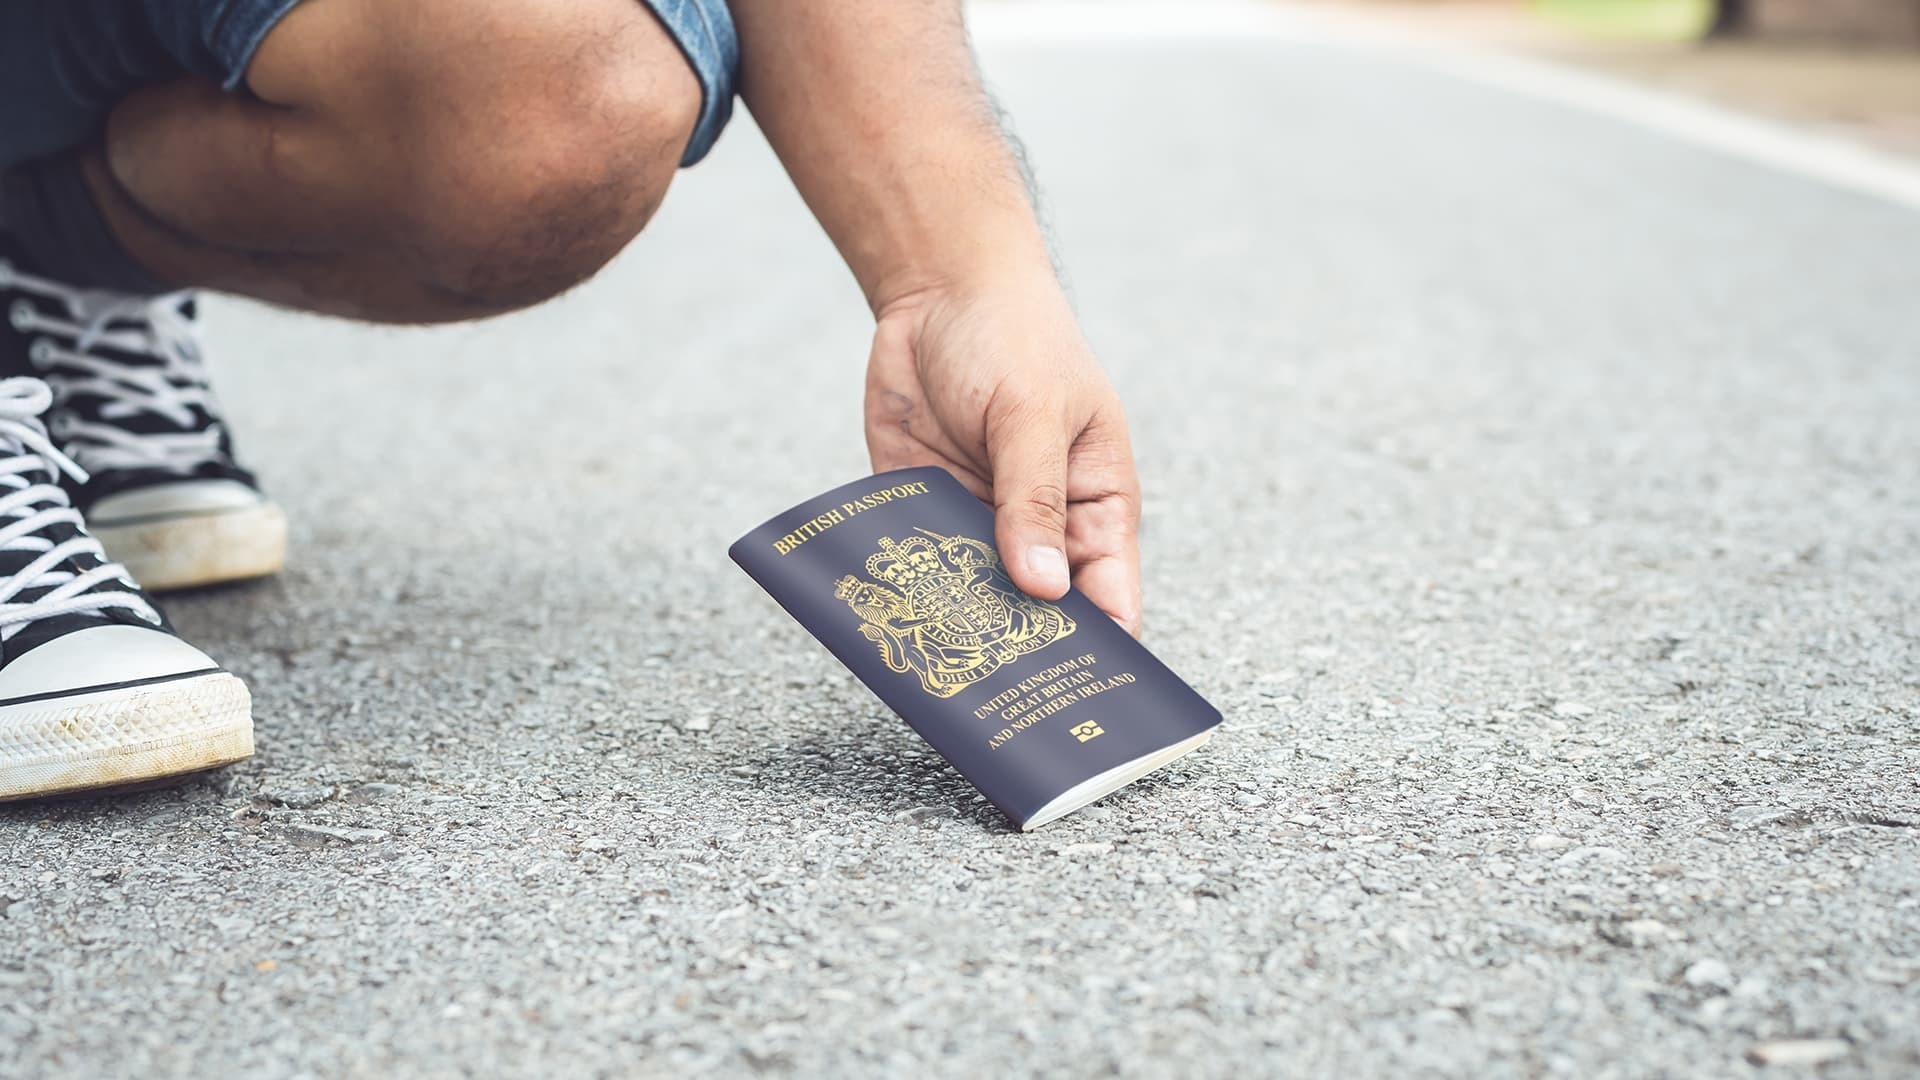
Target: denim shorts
column 64, row 63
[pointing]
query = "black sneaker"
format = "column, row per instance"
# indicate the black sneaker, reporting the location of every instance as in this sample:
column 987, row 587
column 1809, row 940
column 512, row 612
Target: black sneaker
column 133, row 407
column 95, row 689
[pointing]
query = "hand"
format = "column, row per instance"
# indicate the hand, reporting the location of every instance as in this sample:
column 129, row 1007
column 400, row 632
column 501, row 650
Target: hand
column 997, row 386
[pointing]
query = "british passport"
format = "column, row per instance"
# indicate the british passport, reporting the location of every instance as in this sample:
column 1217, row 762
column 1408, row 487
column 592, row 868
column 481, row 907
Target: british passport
column 1043, row 706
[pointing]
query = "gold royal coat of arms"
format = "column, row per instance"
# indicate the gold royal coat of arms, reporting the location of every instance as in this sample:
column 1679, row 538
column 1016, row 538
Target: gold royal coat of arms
column 944, row 608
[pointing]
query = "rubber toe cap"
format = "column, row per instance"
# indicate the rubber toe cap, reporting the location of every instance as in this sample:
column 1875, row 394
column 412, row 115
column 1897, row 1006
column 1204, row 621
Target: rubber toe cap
column 100, row 656
column 173, row 498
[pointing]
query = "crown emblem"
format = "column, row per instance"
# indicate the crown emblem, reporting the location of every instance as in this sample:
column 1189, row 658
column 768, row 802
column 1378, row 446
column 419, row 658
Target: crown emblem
column 906, row 564
column 943, row 608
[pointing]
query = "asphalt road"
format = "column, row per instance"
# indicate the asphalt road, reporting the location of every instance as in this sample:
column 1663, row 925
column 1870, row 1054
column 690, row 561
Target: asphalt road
column 1538, row 496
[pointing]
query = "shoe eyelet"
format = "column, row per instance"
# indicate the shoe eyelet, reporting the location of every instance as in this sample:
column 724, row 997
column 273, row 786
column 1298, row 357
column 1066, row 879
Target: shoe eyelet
column 19, row 314
column 40, row 353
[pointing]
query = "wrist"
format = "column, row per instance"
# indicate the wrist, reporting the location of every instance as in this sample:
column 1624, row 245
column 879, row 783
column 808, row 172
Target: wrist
column 980, row 262
column 937, row 235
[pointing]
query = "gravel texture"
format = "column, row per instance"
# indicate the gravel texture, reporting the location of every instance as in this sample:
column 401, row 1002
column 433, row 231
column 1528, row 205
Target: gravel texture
column 1538, row 498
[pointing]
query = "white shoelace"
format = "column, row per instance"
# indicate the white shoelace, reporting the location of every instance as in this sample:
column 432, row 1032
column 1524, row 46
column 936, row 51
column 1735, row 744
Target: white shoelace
column 31, row 503
column 155, row 327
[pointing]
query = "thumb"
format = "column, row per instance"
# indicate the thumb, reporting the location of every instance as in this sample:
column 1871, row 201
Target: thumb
column 1028, row 454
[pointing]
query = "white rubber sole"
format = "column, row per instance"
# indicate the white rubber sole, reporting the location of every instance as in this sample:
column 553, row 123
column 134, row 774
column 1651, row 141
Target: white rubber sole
column 200, row 549
column 124, row 736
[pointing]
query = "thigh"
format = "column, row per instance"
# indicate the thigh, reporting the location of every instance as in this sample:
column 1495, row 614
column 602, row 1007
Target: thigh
column 64, row 64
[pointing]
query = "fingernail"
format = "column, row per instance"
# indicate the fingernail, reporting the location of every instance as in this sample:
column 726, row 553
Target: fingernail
column 1047, row 563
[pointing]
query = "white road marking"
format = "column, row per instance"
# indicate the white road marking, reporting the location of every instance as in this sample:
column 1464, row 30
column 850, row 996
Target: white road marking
column 1802, row 152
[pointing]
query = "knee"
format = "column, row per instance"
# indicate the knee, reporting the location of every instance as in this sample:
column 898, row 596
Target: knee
column 526, row 142
column 511, row 222
column 529, row 187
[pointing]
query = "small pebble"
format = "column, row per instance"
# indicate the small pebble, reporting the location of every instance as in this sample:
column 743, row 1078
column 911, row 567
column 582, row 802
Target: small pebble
column 1798, row 1051
column 1708, row 975
column 1591, row 854
column 298, row 798
column 348, row 836
column 1638, row 933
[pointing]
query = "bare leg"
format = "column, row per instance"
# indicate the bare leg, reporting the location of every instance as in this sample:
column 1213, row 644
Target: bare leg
column 411, row 163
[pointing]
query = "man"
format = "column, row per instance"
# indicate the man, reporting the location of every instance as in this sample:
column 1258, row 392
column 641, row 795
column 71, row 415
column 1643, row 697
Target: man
column 450, row 159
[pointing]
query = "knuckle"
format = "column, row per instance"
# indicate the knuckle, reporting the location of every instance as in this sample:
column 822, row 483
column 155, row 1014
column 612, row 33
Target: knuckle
column 1014, row 409
column 1044, row 503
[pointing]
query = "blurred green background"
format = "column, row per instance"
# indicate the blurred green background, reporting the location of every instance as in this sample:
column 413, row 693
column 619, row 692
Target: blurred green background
column 1850, row 68
column 1637, row 20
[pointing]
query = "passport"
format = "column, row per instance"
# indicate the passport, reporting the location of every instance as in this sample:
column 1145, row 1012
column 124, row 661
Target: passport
column 1043, row 706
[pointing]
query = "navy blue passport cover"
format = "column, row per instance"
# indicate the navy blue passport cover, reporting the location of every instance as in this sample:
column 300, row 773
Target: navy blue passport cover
column 898, row 577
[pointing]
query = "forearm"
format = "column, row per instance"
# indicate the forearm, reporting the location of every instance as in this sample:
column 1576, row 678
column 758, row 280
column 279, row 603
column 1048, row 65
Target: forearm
column 876, row 109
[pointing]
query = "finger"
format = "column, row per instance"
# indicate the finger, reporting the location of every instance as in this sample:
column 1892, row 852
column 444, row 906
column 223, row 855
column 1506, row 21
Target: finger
column 1103, row 519
column 1027, row 450
column 1104, row 546
column 1113, row 583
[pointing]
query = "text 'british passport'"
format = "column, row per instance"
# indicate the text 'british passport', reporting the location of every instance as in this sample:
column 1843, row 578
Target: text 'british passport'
column 1044, row 706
